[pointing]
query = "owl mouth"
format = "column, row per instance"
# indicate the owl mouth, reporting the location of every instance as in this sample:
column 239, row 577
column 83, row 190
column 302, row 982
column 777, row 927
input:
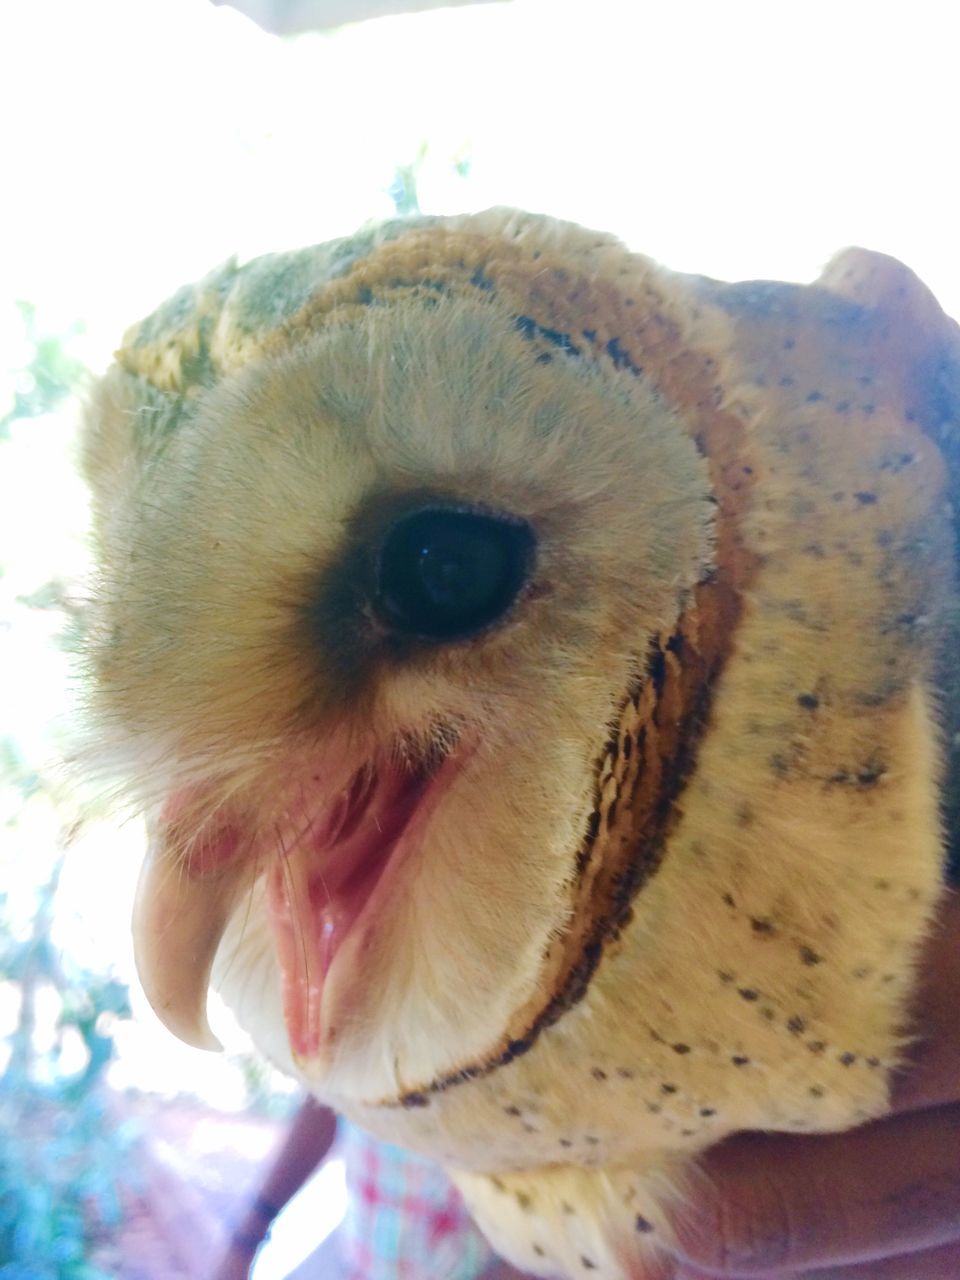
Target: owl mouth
column 330, row 868
column 333, row 881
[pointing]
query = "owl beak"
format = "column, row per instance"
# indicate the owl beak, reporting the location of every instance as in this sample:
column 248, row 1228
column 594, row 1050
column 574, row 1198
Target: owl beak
column 183, row 904
column 325, row 875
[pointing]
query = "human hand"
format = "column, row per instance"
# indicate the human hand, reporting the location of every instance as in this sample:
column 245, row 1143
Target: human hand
column 236, row 1262
column 881, row 1202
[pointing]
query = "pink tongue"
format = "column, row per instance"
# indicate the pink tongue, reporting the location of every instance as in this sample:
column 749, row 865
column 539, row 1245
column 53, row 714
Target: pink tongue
column 319, row 888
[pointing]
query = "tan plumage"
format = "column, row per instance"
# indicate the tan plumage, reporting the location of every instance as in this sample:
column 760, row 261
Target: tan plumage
column 675, row 830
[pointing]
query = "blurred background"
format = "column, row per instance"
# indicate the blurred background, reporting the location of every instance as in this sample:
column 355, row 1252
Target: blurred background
column 143, row 142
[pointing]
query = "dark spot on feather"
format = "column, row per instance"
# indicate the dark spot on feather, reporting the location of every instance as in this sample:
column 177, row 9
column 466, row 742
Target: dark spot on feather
column 847, row 1059
column 809, row 956
column 565, row 1142
column 515, row 1048
column 865, row 499
column 707, row 1111
column 728, row 899
column 598, row 1073
column 620, row 358
column 530, row 329
column 739, row 1060
column 761, row 926
column 816, row 1091
column 896, row 462
column 748, row 993
column 642, row 1224
column 796, row 1025
column 512, row 1111
column 657, row 670
column 415, row 1100
column 869, row 774
column 681, row 1048
column 816, row 1046
column 587, row 1264
column 668, row 1088
column 813, row 396
column 809, row 701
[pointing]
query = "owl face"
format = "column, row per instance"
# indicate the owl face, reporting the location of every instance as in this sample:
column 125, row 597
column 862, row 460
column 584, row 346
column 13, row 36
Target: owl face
column 526, row 660
column 380, row 600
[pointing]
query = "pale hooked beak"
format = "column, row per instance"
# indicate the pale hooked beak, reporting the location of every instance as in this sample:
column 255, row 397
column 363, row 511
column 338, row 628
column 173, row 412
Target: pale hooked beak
column 179, row 918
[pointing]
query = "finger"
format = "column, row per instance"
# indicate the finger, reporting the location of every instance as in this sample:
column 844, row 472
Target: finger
column 932, row 1072
column 932, row 1264
column 773, row 1205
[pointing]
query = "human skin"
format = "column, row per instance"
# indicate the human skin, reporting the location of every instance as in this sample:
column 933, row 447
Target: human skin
column 881, row 1202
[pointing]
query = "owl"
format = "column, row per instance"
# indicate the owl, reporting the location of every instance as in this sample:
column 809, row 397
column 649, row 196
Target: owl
column 532, row 665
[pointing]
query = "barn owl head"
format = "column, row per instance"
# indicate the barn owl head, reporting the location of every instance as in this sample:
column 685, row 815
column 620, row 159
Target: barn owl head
column 524, row 657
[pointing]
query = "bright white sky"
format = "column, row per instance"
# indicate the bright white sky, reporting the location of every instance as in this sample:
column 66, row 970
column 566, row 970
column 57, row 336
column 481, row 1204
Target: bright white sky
column 144, row 141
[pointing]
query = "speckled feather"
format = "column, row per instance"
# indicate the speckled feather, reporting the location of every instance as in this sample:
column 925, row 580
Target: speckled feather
column 682, row 891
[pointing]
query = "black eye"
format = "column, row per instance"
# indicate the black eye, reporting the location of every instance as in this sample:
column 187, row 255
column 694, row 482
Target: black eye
column 445, row 573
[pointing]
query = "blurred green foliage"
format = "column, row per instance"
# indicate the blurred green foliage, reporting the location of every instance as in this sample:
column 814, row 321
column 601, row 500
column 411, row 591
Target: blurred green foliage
column 49, row 375
column 63, row 1156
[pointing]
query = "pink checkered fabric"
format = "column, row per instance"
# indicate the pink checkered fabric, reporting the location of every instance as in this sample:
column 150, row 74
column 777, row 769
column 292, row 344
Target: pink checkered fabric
column 405, row 1221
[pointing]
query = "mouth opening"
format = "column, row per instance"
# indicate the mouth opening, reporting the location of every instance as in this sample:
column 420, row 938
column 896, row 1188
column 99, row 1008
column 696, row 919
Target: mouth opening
column 338, row 873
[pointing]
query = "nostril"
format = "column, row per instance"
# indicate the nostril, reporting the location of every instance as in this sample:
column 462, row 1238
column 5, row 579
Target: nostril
column 443, row 573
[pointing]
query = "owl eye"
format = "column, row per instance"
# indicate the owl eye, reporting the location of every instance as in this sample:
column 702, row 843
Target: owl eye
column 444, row 573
